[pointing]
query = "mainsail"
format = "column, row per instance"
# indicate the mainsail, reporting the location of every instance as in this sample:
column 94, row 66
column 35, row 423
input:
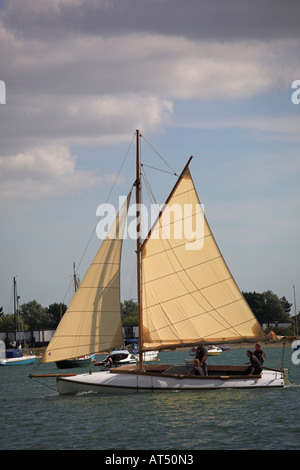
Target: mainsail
column 189, row 295
column 92, row 322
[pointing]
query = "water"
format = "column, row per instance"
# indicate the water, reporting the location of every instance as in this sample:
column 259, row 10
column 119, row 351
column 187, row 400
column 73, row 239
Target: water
column 35, row 417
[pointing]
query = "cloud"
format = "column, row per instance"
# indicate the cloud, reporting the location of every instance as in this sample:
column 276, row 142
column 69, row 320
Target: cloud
column 40, row 163
column 195, row 19
column 44, row 172
column 283, row 128
column 88, row 73
column 169, row 67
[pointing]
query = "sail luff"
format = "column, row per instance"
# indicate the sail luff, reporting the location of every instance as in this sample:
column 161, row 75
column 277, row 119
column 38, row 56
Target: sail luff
column 92, row 322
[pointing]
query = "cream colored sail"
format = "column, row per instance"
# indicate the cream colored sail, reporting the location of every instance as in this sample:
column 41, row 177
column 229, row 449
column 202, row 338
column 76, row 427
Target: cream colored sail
column 92, row 322
column 189, row 295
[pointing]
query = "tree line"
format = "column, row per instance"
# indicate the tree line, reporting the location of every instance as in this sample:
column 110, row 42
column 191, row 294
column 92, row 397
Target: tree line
column 266, row 306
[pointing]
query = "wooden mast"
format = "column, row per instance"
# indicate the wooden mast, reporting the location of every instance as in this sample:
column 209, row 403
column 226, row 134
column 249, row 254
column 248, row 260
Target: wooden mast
column 138, row 246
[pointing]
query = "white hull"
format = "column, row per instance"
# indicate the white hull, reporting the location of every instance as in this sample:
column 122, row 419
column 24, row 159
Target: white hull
column 150, row 356
column 17, row 361
column 121, row 380
column 124, row 357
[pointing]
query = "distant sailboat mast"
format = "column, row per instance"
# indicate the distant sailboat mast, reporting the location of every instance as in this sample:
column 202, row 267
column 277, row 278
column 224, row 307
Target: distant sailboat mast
column 296, row 317
column 138, row 247
column 76, row 283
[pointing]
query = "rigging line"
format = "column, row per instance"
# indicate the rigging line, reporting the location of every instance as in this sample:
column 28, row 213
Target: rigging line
column 67, row 292
column 150, row 145
column 44, row 384
column 113, row 185
column 148, row 188
column 159, row 169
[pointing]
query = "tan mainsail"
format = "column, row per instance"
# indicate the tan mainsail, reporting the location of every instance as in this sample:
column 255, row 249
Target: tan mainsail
column 92, row 322
column 189, row 295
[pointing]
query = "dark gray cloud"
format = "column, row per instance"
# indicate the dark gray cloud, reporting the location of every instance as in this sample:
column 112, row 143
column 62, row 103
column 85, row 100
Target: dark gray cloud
column 89, row 71
column 227, row 20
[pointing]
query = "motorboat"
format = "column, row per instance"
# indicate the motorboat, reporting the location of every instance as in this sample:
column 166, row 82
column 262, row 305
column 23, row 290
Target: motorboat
column 117, row 358
column 132, row 346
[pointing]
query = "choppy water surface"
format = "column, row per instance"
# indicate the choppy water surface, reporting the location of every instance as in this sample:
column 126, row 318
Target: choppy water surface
column 36, row 417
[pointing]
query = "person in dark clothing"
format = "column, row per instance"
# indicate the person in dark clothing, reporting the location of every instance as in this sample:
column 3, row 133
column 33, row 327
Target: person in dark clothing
column 255, row 366
column 201, row 355
column 259, row 353
column 196, row 370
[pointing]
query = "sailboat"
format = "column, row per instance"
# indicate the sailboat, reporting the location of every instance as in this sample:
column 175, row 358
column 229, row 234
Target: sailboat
column 186, row 297
column 82, row 361
column 15, row 357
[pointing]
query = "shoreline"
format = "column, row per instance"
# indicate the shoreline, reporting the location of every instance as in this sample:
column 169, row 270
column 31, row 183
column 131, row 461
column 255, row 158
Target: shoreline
column 264, row 344
column 38, row 352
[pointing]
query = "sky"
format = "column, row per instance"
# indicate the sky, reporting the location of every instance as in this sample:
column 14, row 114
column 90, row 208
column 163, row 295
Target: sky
column 212, row 79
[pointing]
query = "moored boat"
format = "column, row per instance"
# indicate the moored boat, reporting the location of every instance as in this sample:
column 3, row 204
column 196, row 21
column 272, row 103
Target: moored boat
column 148, row 356
column 15, row 357
column 83, row 361
column 117, row 358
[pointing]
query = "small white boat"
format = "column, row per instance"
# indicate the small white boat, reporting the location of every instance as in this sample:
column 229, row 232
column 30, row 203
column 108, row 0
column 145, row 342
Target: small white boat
column 213, row 350
column 19, row 360
column 117, row 358
column 148, row 356
column 15, row 356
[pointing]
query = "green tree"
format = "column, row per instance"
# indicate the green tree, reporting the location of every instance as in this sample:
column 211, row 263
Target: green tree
column 268, row 307
column 287, row 306
column 256, row 303
column 56, row 311
column 7, row 323
column 129, row 311
column 36, row 316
